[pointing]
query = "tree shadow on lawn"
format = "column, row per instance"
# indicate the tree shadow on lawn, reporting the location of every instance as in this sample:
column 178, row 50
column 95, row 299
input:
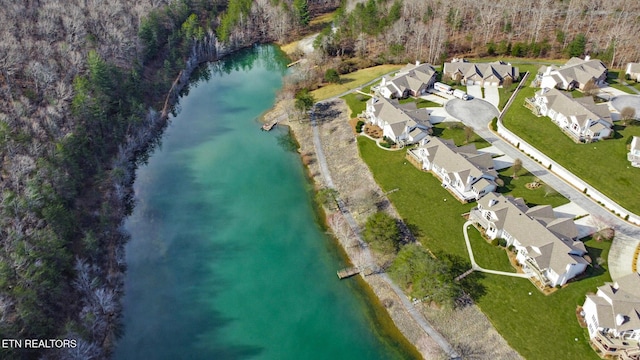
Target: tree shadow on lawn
column 594, row 269
column 471, row 284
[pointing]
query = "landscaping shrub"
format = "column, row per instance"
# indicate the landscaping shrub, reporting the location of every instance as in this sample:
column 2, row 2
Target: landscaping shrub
column 502, row 242
column 495, row 242
column 359, row 126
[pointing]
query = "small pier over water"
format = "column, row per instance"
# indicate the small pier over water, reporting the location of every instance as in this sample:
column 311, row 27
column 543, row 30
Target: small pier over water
column 268, row 126
column 348, row 272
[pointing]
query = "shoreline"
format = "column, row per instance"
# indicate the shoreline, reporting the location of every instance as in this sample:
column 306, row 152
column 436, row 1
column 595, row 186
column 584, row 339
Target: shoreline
column 466, row 329
column 387, row 306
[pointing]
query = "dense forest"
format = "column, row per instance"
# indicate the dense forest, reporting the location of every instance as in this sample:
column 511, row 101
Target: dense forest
column 434, row 30
column 86, row 87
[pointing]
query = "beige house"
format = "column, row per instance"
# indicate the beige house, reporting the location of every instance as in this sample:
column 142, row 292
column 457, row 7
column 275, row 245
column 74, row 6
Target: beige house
column 465, row 172
column 634, row 152
column 402, row 123
column 581, row 119
column 412, row 80
column 483, row 74
column 546, row 246
column 612, row 316
column 573, row 75
column 633, row 71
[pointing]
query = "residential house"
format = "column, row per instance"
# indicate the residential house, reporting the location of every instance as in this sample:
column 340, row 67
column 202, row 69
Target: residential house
column 575, row 74
column 633, row 71
column 402, row 123
column 545, row 246
column 465, row 172
column 484, row 74
column 612, row 316
column 634, row 152
column 412, row 80
column 580, row 118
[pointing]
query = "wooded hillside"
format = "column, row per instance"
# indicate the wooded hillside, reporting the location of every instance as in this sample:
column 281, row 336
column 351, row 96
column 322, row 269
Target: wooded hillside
column 434, row 30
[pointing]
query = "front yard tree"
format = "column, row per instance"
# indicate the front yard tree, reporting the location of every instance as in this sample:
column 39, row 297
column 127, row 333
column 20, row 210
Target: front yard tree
column 382, row 233
column 516, row 167
column 627, row 115
column 590, row 88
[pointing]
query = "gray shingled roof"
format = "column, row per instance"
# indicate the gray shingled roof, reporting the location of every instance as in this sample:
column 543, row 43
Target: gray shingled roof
column 494, row 71
column 553, row 244
column 581, row 108
column 624, row 297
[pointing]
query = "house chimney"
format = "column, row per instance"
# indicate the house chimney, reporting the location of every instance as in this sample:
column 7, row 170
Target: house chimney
column 587, row 58
column 417, row 62
column 620, row 319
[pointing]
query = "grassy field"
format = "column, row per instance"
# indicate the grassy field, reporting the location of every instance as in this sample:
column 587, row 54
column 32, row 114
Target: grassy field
column 455, row 131
column 603, row 164
column 537, row 326
column 353, row 80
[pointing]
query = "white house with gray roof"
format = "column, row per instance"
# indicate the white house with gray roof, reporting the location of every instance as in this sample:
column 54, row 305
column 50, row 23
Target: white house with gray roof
column 465, row 172
column 581, row 118
column 633, row 71
column 575, row 74
column 546, row 246
column 634, row 152
column 483, row 74
column 412, row 80
column 402, row 123
column 612, row 316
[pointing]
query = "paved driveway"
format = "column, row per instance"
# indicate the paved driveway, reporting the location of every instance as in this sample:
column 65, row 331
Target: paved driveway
column 622, row 101
column 609, row 92
column 475, row 91
column 492, row 95
column 476, row 113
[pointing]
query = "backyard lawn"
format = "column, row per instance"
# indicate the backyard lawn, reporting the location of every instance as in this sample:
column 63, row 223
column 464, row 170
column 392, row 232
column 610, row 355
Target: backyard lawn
column 537, row 326
column 456, row 132
column 603, row 164
column 353, row 80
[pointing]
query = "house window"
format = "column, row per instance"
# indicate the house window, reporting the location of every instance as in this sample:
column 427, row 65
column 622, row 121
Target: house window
column 596, row 134
column 488, row 215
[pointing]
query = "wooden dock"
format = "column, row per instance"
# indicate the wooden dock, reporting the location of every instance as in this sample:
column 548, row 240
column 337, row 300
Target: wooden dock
column 268, row 126
column 348, row 272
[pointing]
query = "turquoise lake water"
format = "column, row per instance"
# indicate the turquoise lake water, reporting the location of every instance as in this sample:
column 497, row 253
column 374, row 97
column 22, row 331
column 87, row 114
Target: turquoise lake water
column 226, row 260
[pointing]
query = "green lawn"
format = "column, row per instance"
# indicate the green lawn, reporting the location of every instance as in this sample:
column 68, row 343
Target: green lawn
column 603, row 164
column 537, row 326
column 543, row 195
column 620, row 87
column 420, row 103
column 353, row 80
column 455, row 131
column 357, row 103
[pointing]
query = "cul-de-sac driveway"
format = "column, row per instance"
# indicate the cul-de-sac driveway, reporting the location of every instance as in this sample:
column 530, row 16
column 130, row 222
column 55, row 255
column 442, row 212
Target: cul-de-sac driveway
column 476, row 113
column 623, row 101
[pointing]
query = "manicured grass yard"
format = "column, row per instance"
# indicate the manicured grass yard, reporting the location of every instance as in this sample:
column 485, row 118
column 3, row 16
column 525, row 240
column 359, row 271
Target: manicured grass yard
column 455, row 131
column 353, row 80
column 537, row 326
column 357, row 103
column 603, row 164
column 515, row 187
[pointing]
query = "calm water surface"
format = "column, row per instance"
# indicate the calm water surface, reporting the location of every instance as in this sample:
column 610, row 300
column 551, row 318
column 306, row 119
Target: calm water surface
column 226, row 260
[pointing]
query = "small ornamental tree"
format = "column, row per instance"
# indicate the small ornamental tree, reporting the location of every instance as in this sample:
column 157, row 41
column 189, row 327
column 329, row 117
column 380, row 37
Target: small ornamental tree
column 516, row 167
column 332, row 76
